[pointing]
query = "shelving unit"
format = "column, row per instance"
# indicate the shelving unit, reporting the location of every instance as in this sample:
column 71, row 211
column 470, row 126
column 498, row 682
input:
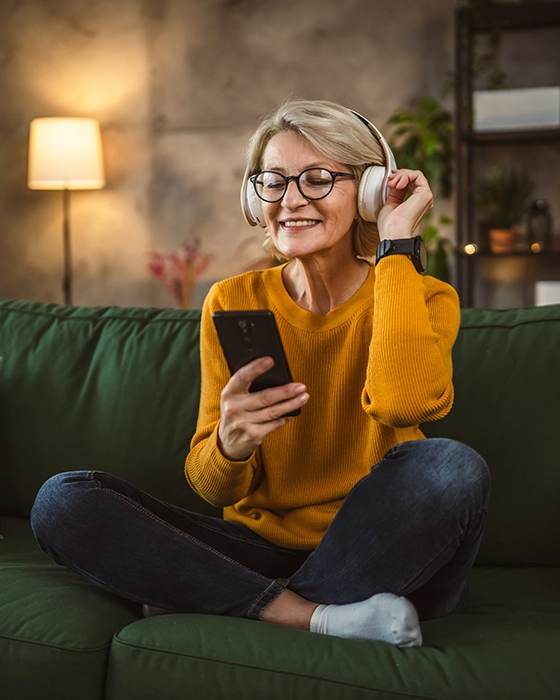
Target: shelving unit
column 519, row 268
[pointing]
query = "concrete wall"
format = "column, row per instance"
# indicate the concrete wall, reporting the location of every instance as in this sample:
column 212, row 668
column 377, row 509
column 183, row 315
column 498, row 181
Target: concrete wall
column 178, row 86
column 76, row 58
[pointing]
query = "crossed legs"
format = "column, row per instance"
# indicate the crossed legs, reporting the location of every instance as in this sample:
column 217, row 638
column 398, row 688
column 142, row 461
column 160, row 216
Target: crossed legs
column 411, row 528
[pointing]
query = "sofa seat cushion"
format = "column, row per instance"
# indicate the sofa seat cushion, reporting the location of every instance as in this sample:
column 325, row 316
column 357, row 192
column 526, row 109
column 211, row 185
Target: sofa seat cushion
column 504, row 645
column 55, row 628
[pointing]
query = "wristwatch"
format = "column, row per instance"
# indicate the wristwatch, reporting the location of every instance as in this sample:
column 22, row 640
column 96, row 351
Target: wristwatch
column 414, row 247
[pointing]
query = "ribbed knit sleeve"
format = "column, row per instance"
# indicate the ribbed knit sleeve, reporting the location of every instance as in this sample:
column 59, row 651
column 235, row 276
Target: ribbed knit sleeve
column 409, row 374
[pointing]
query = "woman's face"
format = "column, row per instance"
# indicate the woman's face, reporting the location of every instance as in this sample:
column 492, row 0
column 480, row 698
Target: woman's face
column 301, row 227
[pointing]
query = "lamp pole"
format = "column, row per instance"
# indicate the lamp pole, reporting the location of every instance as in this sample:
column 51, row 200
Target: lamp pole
column 65, row 154
column 67, row 277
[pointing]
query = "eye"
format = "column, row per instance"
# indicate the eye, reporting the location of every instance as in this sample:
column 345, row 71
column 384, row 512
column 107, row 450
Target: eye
column 271, row 181
column 317, row 178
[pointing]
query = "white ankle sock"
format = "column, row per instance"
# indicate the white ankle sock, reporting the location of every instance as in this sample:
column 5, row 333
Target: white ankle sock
column 152, row 611
column 383, row 617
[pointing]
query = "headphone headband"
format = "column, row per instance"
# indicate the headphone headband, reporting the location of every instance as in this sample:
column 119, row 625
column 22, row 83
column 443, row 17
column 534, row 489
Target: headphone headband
column 372, row 189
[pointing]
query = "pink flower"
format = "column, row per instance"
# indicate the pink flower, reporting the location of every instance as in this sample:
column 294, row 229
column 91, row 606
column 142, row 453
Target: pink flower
column 180, row 270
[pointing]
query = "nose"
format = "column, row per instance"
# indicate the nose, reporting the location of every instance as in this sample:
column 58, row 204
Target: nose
column 293, row 198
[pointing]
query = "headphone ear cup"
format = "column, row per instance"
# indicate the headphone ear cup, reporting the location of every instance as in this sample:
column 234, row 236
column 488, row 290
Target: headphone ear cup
column 372, row 192
column 250, row 203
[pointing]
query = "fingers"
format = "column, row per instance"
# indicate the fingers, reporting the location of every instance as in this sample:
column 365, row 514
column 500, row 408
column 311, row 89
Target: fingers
column 246, row 418
column 275, row 402
column 246, row 375
column 261, row 406
column 399, row 181
column 402, row 179
column 241, row 381
column 399, row 218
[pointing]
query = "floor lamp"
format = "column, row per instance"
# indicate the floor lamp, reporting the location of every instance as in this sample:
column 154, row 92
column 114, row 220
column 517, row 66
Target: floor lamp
column 65, row 154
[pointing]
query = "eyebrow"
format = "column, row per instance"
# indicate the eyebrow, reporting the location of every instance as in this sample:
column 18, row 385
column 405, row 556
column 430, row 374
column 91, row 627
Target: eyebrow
column 279, row 169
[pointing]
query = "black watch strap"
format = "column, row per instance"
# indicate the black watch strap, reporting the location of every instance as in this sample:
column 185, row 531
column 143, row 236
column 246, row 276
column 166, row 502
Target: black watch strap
column 414, row 247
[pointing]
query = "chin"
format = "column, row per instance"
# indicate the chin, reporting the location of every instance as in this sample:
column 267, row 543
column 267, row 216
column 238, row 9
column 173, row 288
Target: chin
column 295, row 249
column 297, row 253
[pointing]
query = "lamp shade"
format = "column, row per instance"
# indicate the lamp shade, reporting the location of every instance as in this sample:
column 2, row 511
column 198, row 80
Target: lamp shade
column 65, row 153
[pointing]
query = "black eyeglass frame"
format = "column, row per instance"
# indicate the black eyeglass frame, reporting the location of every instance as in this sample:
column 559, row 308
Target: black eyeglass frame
column 288, row 178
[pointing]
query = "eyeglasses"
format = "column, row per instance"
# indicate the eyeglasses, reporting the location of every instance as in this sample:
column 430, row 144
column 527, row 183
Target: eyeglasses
column 314, row 183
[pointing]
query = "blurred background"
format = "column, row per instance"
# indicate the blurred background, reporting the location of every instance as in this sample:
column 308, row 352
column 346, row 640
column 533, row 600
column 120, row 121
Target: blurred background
column 178, row 86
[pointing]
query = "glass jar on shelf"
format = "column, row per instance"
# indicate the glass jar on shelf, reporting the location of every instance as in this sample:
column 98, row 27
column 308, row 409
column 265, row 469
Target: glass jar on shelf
column 539, row 226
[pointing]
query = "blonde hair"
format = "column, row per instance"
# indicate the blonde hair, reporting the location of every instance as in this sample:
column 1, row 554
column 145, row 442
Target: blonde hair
column 338, row 134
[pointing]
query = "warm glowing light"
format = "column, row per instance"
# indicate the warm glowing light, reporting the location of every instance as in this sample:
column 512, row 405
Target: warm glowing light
column 536, row 247
column 65, row 153
column 470, row 248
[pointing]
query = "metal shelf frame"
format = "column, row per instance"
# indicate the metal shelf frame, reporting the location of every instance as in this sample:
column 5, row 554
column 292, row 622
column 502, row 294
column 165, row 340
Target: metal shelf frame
column 468, row 23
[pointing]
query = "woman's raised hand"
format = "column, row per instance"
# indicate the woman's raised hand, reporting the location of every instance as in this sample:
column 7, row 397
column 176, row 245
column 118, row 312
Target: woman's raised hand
column 397, row 218
column 246, row 418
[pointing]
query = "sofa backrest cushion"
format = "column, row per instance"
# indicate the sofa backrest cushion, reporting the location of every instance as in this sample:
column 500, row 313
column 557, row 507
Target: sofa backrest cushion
column 117, row 389
column 110, row 389
column 507, row 406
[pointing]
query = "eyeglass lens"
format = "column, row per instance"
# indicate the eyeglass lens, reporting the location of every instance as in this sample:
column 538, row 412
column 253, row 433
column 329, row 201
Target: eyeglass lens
column 314, row 183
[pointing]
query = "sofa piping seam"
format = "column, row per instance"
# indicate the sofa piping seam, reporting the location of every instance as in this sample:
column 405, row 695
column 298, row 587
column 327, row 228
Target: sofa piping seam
column 414, row 696
column 144, row 321
column 56, row 646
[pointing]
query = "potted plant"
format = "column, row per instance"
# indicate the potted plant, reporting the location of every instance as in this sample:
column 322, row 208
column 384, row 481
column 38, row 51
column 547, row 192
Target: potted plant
column 502, row 195
column 423, row 140
column 440, row 248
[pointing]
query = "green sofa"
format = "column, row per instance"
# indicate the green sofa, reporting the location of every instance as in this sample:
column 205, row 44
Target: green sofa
column 116, row 389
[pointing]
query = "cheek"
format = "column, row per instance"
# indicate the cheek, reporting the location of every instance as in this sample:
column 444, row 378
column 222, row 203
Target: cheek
column 269, row 212
column 346, row 216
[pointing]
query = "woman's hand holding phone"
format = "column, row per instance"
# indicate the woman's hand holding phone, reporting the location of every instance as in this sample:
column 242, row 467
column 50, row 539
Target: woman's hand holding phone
column 247, row 417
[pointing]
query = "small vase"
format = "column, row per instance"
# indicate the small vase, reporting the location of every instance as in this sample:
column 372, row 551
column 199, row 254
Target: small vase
column 540, row 225
column 186, row 299
column 501, row 240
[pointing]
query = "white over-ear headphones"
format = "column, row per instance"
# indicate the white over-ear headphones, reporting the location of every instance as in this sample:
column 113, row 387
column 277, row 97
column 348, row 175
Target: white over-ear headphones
column 372, row 190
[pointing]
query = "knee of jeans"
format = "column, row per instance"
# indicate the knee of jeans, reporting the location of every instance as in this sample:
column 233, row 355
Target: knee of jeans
column 57, row 498
column 446, row 467
column 460, row 468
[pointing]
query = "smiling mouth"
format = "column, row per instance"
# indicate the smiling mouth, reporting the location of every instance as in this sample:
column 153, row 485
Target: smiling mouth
column 300, row 223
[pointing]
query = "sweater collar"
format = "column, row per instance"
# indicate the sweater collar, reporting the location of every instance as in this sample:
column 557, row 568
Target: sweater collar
column 307, row 320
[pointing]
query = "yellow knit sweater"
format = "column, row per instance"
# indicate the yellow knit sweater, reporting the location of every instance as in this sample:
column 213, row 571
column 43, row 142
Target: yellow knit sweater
column 375, row 367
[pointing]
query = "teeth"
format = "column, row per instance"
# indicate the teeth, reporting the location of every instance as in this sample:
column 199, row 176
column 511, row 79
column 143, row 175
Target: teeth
column 291, row 224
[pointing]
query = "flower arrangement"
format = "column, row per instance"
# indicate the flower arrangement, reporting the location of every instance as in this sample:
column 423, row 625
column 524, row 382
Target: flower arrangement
column 180, row 270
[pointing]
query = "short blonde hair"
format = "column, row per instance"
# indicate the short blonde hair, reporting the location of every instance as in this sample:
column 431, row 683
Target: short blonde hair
column 337, row 133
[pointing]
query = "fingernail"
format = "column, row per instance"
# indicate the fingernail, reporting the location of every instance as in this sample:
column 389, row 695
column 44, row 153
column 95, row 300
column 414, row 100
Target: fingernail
column 300, row 388
column 267, row 362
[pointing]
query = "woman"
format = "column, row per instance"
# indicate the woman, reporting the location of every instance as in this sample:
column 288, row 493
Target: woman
column 342, row 520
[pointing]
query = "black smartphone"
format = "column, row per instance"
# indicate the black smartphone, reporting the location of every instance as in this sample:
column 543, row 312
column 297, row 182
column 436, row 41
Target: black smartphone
column 247, row 335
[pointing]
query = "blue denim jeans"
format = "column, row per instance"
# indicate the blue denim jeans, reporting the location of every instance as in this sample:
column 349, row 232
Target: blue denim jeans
column 411, row 527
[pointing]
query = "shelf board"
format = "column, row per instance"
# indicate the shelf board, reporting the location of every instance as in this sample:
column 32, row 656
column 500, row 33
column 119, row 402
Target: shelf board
column 513, row 16
column 512, row 254
column 494, row 137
